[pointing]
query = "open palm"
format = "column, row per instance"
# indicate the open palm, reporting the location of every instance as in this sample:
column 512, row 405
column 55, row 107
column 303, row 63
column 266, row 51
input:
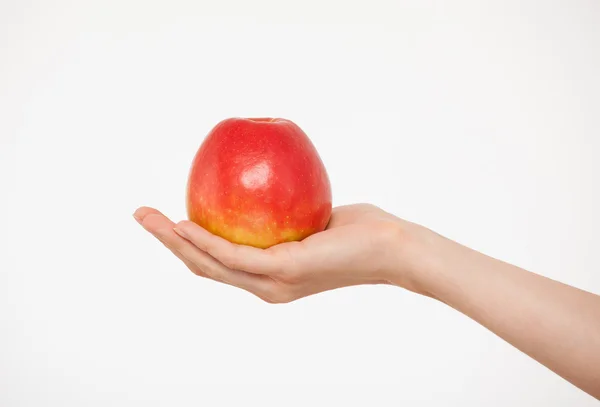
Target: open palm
column 354, row 249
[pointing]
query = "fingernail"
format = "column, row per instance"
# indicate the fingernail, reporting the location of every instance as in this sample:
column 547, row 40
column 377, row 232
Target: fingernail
column 180, row 232
column 137, row 218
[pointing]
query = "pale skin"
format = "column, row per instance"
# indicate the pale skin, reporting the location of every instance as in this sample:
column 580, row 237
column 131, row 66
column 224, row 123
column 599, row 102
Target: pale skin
column 554, row 323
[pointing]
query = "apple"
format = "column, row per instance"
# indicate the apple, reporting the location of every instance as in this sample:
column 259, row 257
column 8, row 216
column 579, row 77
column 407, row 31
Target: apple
column 258, row 182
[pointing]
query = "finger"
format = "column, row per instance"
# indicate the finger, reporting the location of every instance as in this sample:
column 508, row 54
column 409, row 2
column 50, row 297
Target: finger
column 162, row 228
column 347, row 214
column 256, row 284
column 142, row 212
column 164, row 223
column 235, row 256
column 193, row 268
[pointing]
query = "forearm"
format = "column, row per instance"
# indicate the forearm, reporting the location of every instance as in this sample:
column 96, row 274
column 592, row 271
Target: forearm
column 556, row 324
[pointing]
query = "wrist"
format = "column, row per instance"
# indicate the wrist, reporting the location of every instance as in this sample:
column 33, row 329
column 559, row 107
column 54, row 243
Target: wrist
column 419, row 259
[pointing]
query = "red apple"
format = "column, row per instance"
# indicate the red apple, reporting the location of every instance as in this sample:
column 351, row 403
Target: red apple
column 258, row 182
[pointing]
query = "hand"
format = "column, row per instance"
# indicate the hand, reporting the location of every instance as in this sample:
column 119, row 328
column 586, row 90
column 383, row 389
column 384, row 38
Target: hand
column 554, row 323
column 361, row 245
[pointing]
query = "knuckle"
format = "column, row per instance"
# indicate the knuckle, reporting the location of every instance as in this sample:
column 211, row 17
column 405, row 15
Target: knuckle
column 199, row 272
column 279, row 294
column 284, row 296
column 285, row 266
column 290, row 275
column 210, row 270
column 266, row 299
column 229, row 261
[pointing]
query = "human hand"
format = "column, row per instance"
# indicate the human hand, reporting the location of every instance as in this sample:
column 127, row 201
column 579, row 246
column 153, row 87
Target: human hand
column 365, row 245
column 361, row 245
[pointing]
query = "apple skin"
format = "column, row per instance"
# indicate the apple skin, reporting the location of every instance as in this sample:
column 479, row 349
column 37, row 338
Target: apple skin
column 258, row 182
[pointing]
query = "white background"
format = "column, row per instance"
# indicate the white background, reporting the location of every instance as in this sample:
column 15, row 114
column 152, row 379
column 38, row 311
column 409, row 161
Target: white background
column 478, row 119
